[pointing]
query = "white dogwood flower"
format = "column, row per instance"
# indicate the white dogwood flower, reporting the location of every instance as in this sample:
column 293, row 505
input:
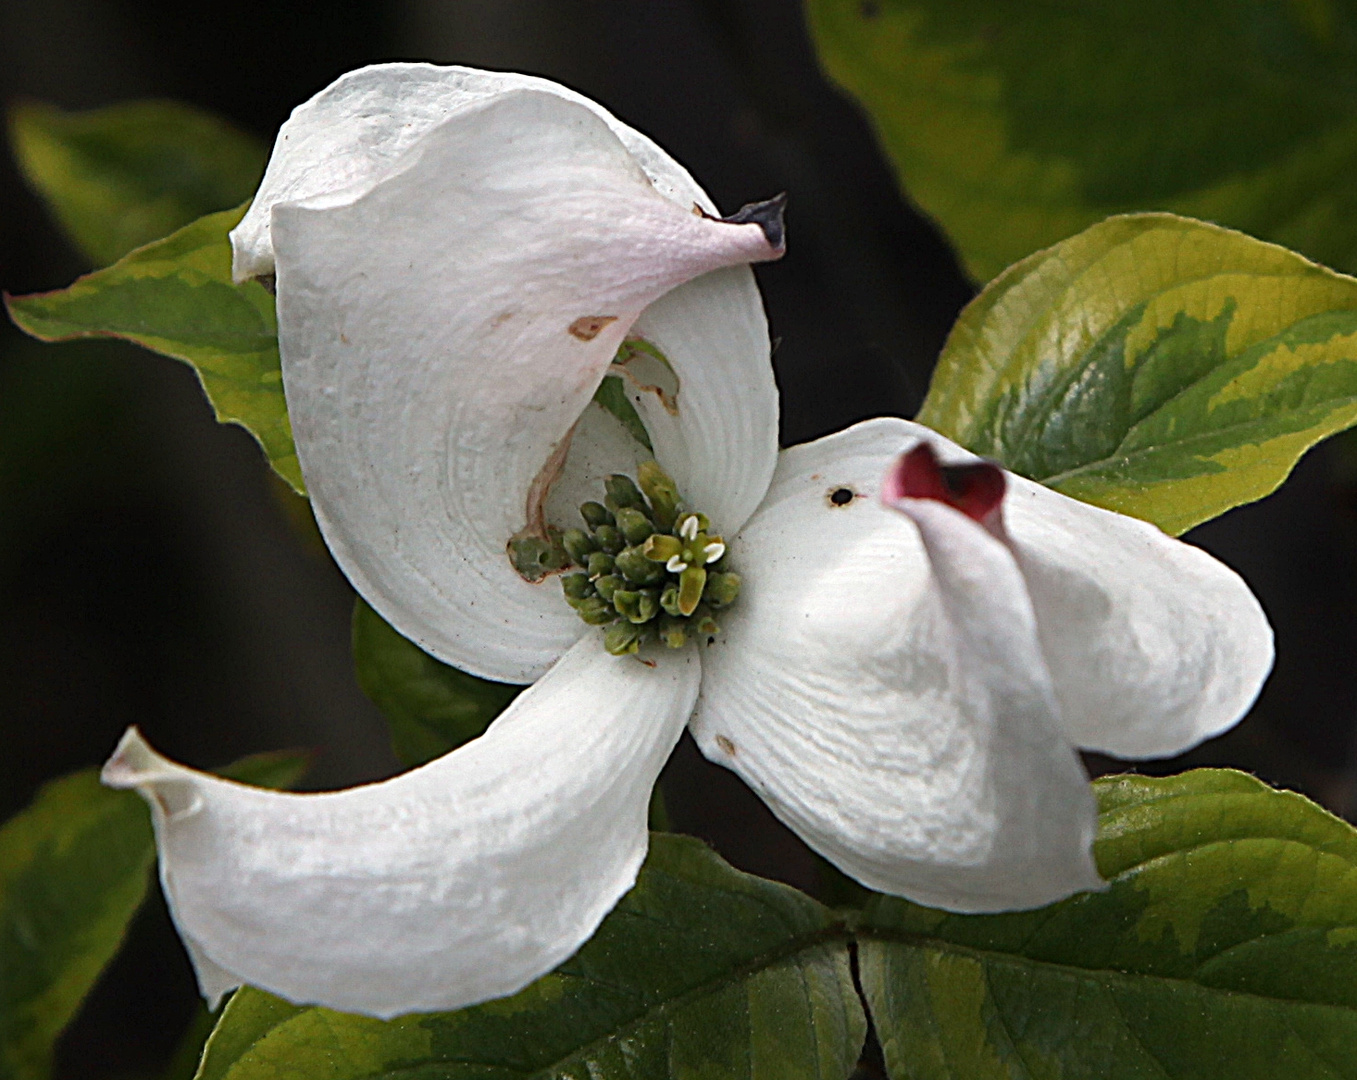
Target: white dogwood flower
column 462, row 258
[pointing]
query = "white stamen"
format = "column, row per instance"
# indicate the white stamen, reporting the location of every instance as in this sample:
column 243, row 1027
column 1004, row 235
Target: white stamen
column 714, row 551
column 688, row 530
column 676, row 565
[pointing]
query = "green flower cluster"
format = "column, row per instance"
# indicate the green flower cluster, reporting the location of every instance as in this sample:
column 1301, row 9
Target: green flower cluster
column 649, row 568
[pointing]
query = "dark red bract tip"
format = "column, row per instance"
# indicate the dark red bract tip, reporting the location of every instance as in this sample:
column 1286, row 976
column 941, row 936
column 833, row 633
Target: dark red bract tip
column 976, row 489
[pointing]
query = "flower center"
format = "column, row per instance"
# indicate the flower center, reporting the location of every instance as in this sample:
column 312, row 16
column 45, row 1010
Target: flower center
column 649, row 570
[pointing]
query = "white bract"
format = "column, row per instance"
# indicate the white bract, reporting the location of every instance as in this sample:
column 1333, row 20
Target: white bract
column 458, row 257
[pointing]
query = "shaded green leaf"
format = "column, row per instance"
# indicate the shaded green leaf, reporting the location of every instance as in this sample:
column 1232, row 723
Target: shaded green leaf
column 431, row 707
column 188, row 1052
column 250, row 1015
column 1225, row 946
column 1016, row 125
column 74, row 868
column 612, row 395
column 701, row 971
column 176, row 297
column 119, row 177
column 277, row 769
column 1153, row 365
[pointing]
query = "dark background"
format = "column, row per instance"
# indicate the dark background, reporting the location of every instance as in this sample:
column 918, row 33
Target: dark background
column 149, row 573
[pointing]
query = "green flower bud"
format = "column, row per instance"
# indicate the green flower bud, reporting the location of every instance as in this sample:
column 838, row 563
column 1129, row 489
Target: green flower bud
column 594, row 610
column 660, row 548
column 691, row 583
column 704, row 625
column 576, row 586
column 578, row 545
column 622, row 638
column 669, row 599
column 609, row 539
column 534, row 557
column 688, row 526
column 622, row 492
column 721, row 590
column 634, row 525
column 596, row 514
column 627, row 602
column 607, row 585
column 648, row 606
column 672, row 632
column 638, row 605
column 638, row 569
column 662, row 493
column 653, row 572
column 600, row 562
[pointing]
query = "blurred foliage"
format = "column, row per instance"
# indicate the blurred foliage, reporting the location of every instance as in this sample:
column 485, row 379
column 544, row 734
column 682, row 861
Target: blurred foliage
column 432, row 707
column 74, row 868
column 119, row 177
column 176, row 297
column 1017, row 125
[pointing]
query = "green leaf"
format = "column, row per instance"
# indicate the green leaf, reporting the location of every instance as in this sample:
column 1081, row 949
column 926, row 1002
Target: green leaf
column 1016, row 125
column 74, row 868
column 277, row 769
column 612, row 395
column 1153, row 365
column 1225, row 946
column 431, row 707
column 701, row 971
column 119, row 177
column 176, row 297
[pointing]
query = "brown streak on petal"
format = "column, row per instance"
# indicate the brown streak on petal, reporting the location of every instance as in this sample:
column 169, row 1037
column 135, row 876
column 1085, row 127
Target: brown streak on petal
column 587, row 327
column 726, row 745
column 541, row 486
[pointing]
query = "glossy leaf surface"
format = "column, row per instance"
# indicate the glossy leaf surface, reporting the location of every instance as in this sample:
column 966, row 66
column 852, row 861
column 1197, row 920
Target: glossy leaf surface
column 1225, row 946
column 1154, row 365
column 431, row 707
column 74, row 869
column 119, row 177
column 176, row 297
column 1017, row 125
column 701, row 971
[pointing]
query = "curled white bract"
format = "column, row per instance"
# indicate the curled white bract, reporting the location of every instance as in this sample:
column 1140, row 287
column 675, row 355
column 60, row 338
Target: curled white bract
column 458, row 257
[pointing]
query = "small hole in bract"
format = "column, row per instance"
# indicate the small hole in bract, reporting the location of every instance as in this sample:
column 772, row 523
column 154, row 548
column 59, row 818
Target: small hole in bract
column 841, row 496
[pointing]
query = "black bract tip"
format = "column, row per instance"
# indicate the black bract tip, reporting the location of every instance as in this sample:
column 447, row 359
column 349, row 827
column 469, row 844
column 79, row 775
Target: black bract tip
column 767, row 215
